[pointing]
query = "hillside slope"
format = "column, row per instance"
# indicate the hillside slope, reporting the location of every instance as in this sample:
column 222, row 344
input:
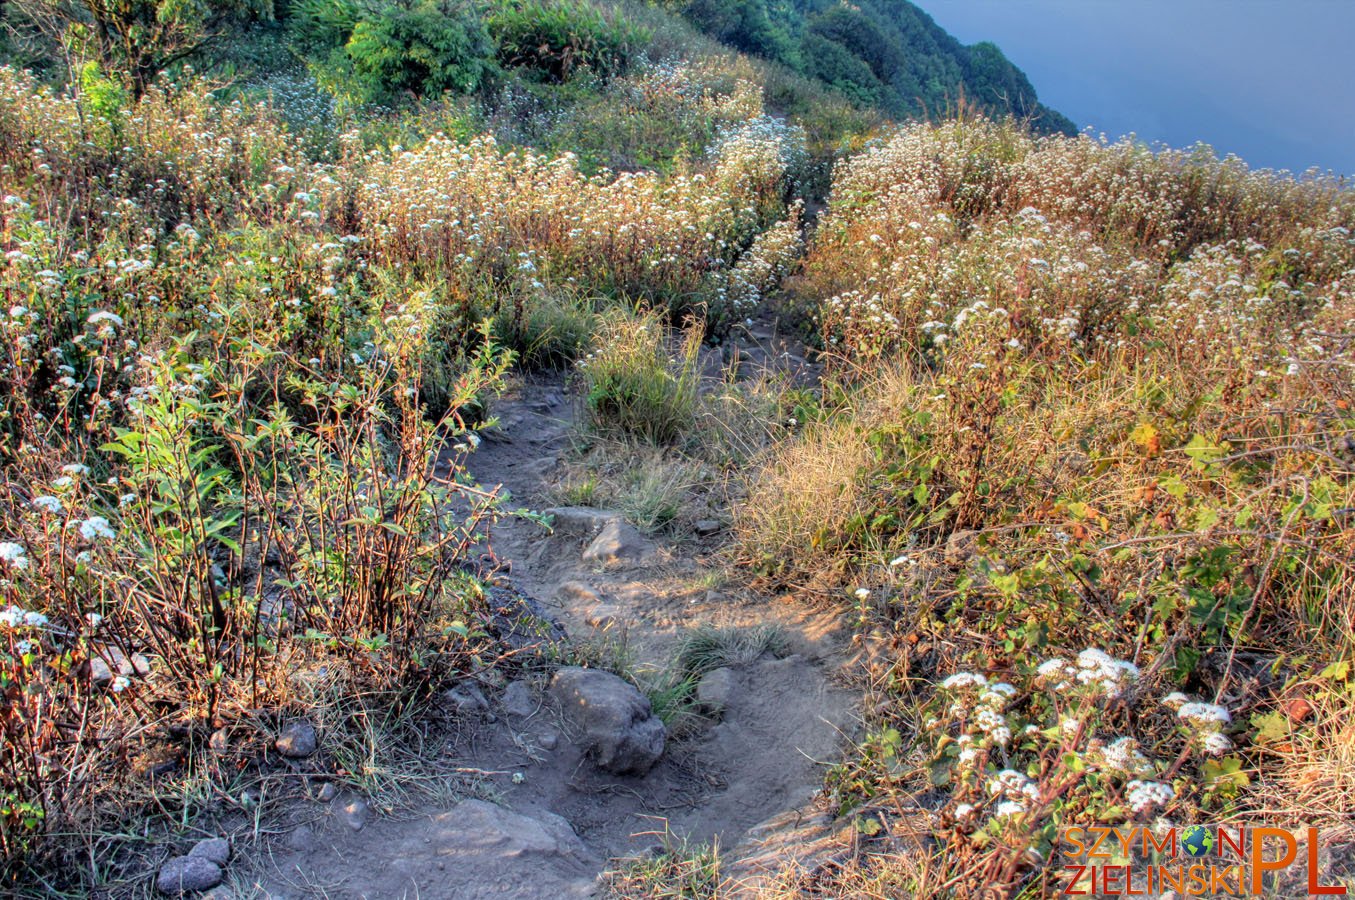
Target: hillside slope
column 886, row 54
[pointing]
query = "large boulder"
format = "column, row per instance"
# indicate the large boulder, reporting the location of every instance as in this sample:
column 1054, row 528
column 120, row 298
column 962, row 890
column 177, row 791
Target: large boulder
column 617, row 543
column 620, row 731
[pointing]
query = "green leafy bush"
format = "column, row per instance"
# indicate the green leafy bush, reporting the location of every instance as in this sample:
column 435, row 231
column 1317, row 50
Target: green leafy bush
column 556, row 38
column 366, row 52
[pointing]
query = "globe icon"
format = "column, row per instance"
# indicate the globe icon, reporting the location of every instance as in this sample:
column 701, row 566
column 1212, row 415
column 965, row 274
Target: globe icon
column 1198, row 840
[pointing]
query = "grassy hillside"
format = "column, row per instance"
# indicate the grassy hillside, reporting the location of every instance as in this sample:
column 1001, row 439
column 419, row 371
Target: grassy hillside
column 1084, row 470
column 1078, row 474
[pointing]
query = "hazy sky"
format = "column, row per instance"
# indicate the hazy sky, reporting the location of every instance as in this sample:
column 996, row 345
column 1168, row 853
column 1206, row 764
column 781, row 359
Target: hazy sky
column 1270, row 80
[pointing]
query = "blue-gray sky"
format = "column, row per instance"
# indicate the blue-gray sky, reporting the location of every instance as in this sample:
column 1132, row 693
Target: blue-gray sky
column 1270, row 80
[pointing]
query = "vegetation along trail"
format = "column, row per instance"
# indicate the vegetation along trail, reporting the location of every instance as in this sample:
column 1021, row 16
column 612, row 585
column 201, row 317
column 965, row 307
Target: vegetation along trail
column 437, row 459
column 748, row 685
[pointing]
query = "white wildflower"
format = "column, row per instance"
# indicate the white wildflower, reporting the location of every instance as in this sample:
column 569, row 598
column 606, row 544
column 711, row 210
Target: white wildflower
column 96, row 527
column 14, row 554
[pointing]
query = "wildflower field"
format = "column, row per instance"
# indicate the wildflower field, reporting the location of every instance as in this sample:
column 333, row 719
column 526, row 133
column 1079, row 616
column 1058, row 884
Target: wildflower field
column 1083, row 470
column 230, row 368
column 1078, row 470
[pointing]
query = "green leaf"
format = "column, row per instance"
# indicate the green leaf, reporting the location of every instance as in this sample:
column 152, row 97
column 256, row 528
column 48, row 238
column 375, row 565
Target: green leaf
column 1270, row 727
column 1337, row 671
column 1203, row 451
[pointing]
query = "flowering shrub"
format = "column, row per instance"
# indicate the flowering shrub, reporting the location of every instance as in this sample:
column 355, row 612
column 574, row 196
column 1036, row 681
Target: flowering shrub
column 240, row 385
column 1081, row 395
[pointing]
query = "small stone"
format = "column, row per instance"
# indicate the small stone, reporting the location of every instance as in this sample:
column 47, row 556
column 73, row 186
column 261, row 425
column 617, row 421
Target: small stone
column 326, row 792
column 297, row 740
column 576, row 592
column 466, row 698
column 218, row 850
column 621, row 732
column 548, row 739
column 716, row 689
column 185, row 874
column 222, row 892
column 580, row 520
column 518, row 700
column 109, row 662
column 706, row 527
column 960, row 546
column 617, row 543
column 356, row 814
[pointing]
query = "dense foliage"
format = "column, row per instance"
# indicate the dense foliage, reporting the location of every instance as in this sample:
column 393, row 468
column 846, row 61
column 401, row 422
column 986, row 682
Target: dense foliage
column 240, row 386
column 1088, row 481
column 556, row 38
column 378, row 52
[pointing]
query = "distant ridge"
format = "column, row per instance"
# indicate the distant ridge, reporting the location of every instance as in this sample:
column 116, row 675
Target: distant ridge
column 888, row 54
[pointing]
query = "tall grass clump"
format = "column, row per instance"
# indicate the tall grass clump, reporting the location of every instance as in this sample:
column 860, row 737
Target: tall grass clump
column 1093, row 431
column 641, row 380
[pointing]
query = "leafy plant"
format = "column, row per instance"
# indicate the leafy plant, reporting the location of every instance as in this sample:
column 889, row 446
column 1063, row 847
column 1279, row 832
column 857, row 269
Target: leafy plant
column 367, row 52
column 557, row 38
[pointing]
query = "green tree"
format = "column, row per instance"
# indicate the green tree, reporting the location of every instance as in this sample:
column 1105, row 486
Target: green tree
column 377, row 52
column 135, row 39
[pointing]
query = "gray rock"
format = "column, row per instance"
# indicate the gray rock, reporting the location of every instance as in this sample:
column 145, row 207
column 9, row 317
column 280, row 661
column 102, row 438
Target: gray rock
column 326, row 792
column 548, row 739
column 220, row 742
column 795, row 842
column 576, row 592
column 616, row 543
column 960, row 546
column 218, row 850
column 355, row 814
column 185, row 874
column 297, row 740
column 522, row 623
column 620, row 731
column 224, row 892
column 581, row 521
column 302, row 839
column 108, row 662
column 716, row 689
column 518, row 700
column 479, row 851
column 706, row 527
column 466, row 698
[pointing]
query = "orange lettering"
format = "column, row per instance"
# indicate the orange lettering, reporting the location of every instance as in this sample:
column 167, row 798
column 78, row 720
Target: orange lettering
column 1313, row 886
column 1259, row 865
column 1078, row 872
column 1239, row 847
column 1168, row 842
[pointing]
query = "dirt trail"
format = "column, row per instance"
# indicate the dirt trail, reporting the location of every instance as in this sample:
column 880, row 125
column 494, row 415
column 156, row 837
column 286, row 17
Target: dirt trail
column 786, row 717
